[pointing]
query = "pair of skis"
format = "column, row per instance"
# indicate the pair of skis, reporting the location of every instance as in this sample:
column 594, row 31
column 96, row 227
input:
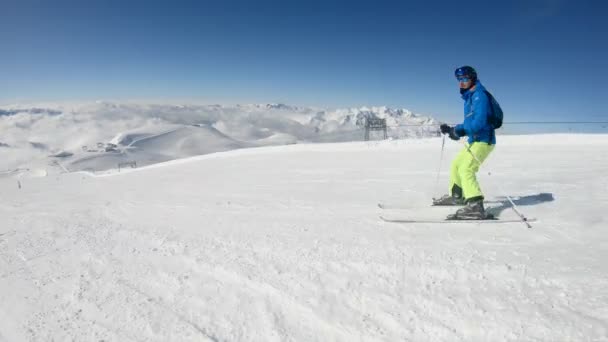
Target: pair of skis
column 401, row 218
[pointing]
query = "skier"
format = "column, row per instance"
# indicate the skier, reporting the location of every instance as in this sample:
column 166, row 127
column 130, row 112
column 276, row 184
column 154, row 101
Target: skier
column 464, row 188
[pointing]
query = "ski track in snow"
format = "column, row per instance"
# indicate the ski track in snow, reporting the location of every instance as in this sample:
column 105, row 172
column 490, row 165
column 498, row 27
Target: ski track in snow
column 284, row 244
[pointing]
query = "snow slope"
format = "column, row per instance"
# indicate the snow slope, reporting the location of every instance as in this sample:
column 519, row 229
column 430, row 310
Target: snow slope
column 177, row 142
column 99, row 136
column 284, row 243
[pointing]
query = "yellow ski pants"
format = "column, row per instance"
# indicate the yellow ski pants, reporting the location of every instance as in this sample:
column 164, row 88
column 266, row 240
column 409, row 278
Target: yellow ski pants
column 465, row 166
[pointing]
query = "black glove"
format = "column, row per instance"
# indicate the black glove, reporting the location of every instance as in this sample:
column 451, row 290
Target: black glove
column 445, row 129
column 453, row 134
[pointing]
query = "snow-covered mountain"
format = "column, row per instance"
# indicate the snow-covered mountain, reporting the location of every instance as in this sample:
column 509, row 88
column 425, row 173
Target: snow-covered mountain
column 100, row 135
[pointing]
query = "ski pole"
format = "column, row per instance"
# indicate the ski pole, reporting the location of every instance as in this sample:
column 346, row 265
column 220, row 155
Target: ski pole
column 440, row 162
column 513, row 206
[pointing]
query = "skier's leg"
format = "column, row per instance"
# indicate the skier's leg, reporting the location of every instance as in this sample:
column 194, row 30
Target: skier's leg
column 454, row 195
column 469, row 165
column 455, row 180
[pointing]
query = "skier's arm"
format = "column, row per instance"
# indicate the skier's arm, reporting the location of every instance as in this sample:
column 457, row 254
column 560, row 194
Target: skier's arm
column 479, row 111
column 479, row 108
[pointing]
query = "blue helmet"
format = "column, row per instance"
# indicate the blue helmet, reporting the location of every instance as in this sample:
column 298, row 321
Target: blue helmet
column 466, row 71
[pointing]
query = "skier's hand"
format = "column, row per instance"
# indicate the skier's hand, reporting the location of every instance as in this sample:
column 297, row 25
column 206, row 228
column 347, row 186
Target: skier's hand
column 445, row 129
column 453, row 134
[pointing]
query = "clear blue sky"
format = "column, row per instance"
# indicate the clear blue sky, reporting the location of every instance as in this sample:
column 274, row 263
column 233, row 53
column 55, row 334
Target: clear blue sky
column 542, row 59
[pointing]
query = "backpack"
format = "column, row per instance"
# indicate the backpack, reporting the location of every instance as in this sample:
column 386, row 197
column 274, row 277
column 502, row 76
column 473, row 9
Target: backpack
column 495, row 115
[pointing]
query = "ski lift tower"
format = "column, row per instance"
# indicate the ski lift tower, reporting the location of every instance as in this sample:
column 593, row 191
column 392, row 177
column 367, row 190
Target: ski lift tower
column 375, row 124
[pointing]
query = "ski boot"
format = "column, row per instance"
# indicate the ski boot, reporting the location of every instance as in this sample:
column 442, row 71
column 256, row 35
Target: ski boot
column 448, row 199
column 473, row 210
column 455, row 197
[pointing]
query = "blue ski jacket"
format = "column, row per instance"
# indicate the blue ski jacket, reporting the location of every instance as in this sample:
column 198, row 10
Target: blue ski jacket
column 476, row 111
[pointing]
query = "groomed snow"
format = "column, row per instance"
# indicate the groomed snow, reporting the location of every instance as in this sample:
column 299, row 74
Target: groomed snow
column 284, row 244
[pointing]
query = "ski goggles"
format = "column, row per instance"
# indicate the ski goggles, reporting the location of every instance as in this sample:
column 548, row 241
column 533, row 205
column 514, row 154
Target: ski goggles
column 463, row 79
